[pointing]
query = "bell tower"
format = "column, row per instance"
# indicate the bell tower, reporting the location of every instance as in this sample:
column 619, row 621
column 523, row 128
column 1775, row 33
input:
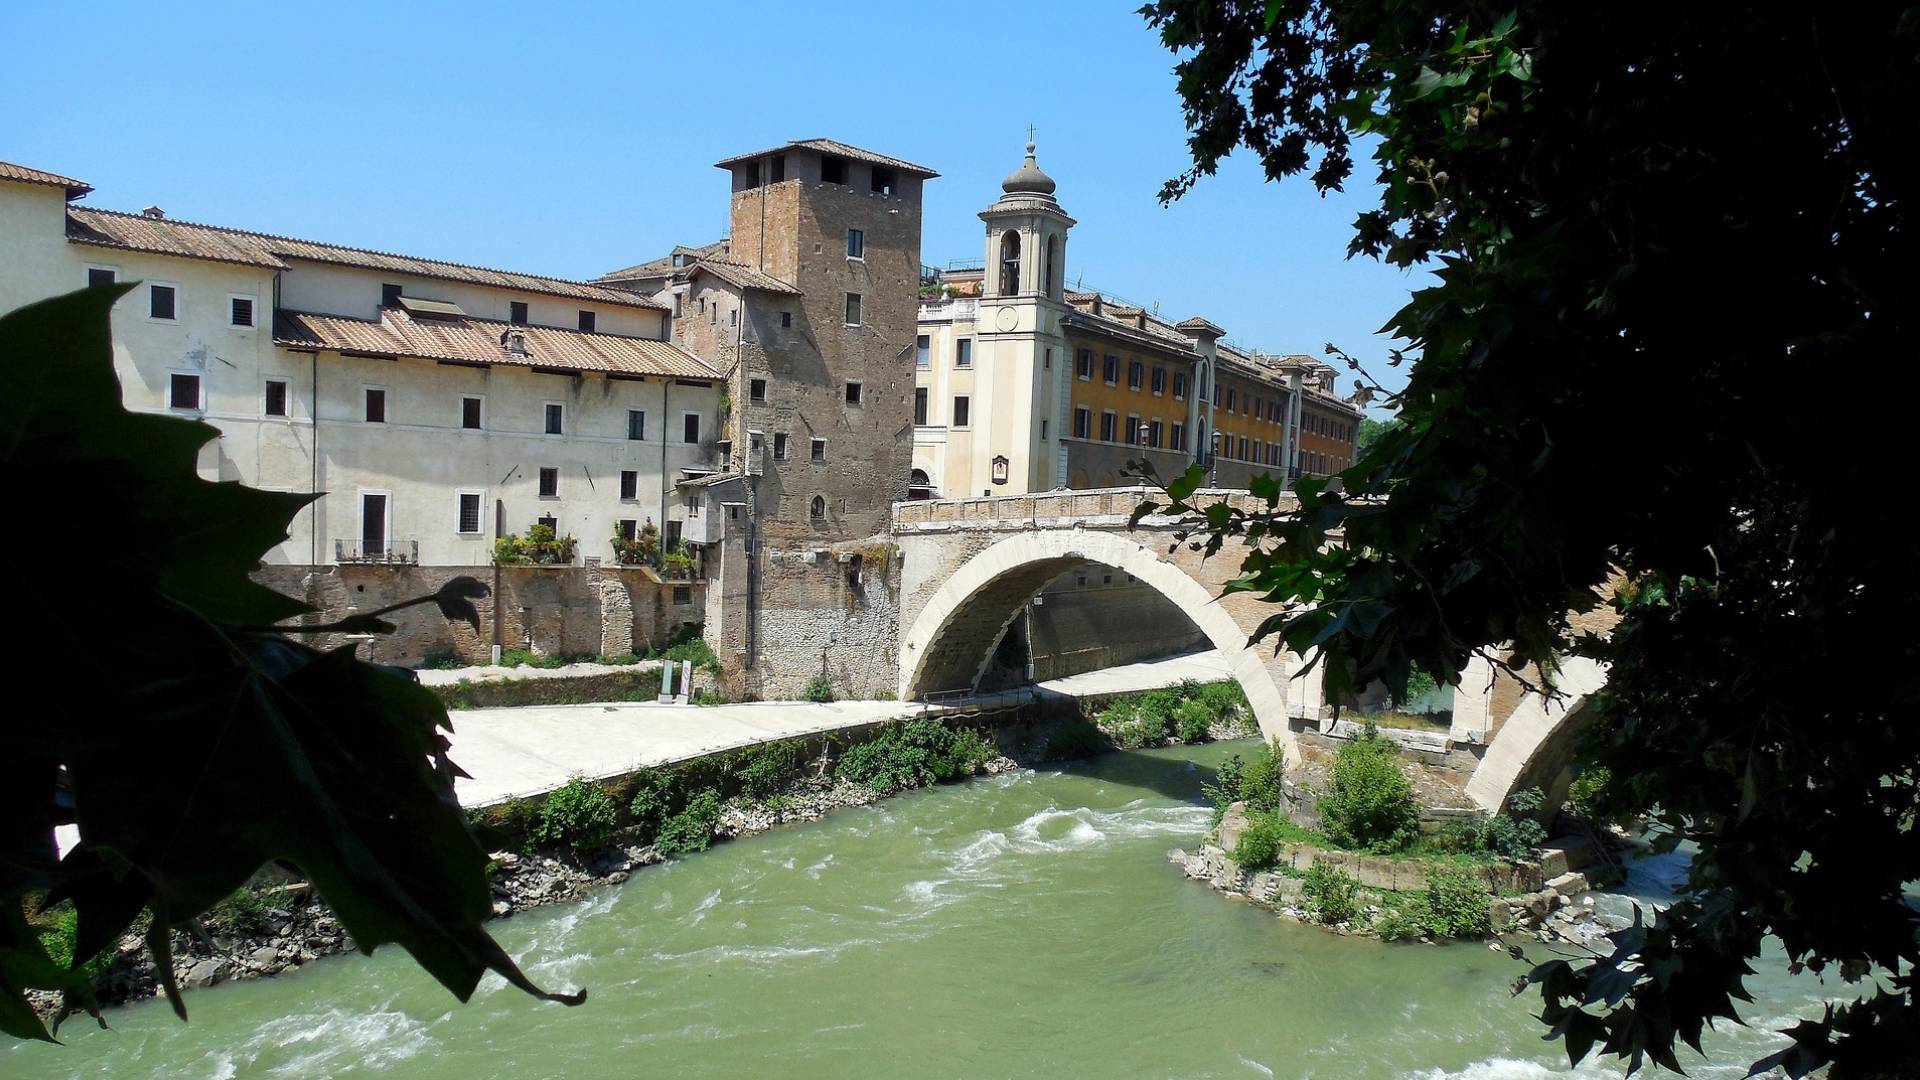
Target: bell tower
column 1026, row 237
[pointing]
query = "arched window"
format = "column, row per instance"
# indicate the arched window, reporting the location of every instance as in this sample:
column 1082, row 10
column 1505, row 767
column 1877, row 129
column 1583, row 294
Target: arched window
column 1200, row 392
column 1050, row 285
column 819, row 507
column 1010, row 263
column 919, row 485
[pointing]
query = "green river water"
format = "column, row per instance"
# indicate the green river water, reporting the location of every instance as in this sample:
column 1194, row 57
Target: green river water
column 1024, row 925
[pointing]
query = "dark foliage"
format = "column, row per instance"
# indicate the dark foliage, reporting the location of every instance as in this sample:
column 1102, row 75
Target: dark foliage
column 1669, row 245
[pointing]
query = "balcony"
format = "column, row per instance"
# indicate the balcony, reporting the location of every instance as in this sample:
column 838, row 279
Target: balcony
column 394, row 553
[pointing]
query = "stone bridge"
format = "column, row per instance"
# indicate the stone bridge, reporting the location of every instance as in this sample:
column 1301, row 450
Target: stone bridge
column 971, row 566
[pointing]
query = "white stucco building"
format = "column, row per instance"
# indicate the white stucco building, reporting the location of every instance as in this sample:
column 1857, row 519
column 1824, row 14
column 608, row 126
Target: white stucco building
column 432, row 402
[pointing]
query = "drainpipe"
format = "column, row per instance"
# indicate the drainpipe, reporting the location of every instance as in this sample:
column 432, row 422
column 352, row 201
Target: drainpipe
column 313, row 515
column 1293, row 427
column 499, row 530
column 666, row 393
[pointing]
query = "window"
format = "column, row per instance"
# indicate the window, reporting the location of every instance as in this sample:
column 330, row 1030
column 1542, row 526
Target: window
column 1131, row 436
column 1153, row 434
column 920, row 405
column 690, row 432
column 833, row 170
column 1179, row 387
column 757, row 390
column 160, row 302
column 1106, row 426
column 1009, row 263
column 1159, row 381
column 1242, row 455
column 469, row 512
column 1258, row 408
column 923, row 351
column 470, row 413
column 883, row 180
column 276, row 403
column 636, row 425
column 1216, row 395
column 819, row 449
column 1136, row 375
column 962, row 411
column 549, row 482
column 1043, row 429
column 101, row 275
column 556, row 418
column 629, row 484
column 853, row 309
column 1082, row 422
column 629, row 529
column 1046, row 364
column 1177, row 437
column 240, row 311
column 183, row 391
column 586, row 320
column 1111, row 370
column 1083, row 364
column 779, row 446
column 786, row 319
column 682, row 595
column 817, row 508
column 389, row 295
column 517, row 312
column 856, row 244
column 776, row 168
column 853, row 391
column 963, row 353
column 679, row 304
column 376, row 400
column 1230, row 400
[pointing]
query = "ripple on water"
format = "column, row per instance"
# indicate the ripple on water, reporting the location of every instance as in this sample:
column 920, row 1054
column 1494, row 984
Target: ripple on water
column 328, row 1042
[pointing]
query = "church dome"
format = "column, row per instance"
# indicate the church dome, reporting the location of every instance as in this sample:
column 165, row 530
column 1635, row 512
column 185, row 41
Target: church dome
column 1028, row 179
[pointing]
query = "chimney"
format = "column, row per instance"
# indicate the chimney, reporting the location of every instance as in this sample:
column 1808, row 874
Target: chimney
column 515, row 340
column 154, row 212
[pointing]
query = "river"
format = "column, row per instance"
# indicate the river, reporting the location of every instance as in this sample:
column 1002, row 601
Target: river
column 1023, row 925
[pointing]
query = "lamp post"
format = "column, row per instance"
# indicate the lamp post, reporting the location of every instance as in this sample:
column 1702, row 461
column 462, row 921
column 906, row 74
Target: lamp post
column 1213, row 462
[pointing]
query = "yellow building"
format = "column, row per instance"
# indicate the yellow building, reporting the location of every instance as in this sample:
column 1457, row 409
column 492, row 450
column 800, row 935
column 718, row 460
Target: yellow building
column 1023, row 385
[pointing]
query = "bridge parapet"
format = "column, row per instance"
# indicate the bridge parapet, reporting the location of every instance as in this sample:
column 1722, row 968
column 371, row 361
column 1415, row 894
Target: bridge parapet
column 1099, row 507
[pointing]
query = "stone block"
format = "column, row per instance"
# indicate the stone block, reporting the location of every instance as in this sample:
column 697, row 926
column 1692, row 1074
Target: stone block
column 1233, row 825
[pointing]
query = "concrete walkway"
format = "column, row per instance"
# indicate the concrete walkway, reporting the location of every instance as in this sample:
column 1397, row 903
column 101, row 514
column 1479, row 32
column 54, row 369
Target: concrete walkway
column 489, row 673
column 1208, row 666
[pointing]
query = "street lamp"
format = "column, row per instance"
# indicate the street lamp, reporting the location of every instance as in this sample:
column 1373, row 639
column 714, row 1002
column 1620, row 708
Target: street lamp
column 1213, row 462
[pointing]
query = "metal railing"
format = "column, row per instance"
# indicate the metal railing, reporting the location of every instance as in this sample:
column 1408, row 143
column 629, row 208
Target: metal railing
column 397, row 552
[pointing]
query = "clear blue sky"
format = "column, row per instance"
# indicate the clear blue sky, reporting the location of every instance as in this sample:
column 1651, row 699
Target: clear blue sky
column 570, row 140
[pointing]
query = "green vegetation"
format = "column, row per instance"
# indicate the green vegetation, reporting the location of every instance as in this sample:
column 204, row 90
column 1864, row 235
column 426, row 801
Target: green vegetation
column 1076, row 737
column 246, row 911
column 706, row 696
column 579, row 815
column 1456, row 902
column 1187, row 710
column 540, row 547
column 692, row 828
column 1514, row 833
column 59, row 930
column 1228, row 779
column 913, row 754
column 1263, row 785
column 1369, row 800
column 1266, row 836
column 819, row 688
column 1330, row 894
column 1565, row 180
column 763, row 770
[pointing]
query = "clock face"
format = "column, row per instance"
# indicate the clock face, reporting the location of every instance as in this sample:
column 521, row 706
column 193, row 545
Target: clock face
column 1007, row 319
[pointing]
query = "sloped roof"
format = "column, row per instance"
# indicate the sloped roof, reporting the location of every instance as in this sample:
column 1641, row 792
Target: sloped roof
column 833, row 146
column 663, row 265
column 742, row 276
column 396, row 333
column 165, row 236
column 25, row 175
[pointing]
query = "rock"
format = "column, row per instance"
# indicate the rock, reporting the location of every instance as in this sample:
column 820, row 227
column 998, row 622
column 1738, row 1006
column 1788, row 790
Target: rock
column 203, row 974
column 1233, row 824
column 264, row 955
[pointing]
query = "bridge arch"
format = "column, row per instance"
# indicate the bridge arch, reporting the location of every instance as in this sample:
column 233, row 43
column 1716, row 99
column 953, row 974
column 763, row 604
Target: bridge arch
column 1533, row 745
column 951, row 641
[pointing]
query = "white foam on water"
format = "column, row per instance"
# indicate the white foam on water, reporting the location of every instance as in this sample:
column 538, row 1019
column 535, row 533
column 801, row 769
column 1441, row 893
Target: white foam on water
column 1256, row 1066
column 1501, row 1068
column 333, row 1041
column 759, row 954
column 814, row 870
column 699, row 912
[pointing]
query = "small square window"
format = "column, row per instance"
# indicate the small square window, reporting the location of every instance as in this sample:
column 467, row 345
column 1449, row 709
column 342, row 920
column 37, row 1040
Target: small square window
column 517, row 312
column 100, row 275
column 853, row 309
column 779, row 446
column 786, row 319
column 629, row 484
column 160, row 302
column 586, row 321
column 470, row 413
column 276, row 403
column 389, row 295
column 469, row 512
column 757, row 390
column 549, row 483
column 183, row 391
column 819, row 449
column 376, row 405
column 240, row 311
column 636, row 425
column 682, row 595
column 833, row 170
column 690, row 432
column 853, row 392
column 856, row 244
column 556, row 418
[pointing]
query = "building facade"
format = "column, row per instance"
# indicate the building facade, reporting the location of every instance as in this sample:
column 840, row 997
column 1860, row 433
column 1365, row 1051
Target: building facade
column 1025, row 385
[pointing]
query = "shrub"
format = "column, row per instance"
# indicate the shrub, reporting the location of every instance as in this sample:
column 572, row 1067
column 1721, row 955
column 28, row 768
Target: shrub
column 692, row 828
column 913, row 754
column 58, row 940
column 652, row 799
column 765, row 769
column 245, row 912
column 578, row 814
column 1224, row 699
column 1596, row 797
column 1262, row 786
column 1225, row 789
column 442, row 661
column 696, row 650
column 1156, row 708
column 706, row 696
column 1259, row 847
column 1192, row 722
column 1512, row 834
column 1456, row 902
column 819, row 688
column 1329, row 894
column 1369, row 801
column 972, row 749
column 1405, row 917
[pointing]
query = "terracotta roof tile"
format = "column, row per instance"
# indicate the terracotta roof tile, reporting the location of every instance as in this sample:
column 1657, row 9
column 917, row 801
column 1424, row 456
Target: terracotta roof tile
column 663, row 265
column 480, row 341
column 75, row 188
column 164, row 236
column 835, row 147
column 741, row 276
